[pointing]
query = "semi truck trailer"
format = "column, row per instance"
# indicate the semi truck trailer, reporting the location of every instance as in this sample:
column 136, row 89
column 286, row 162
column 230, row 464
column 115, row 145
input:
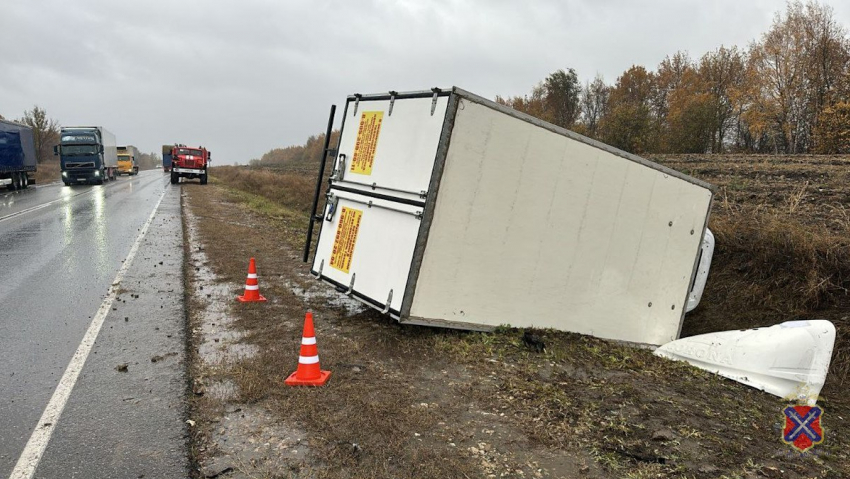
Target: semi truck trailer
column 87, row 154
column 447, row 209
column 17, row 155
column 128, row 157
column 189, row 162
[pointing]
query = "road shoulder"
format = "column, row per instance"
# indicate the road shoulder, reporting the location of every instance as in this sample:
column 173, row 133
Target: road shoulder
column 126, row 415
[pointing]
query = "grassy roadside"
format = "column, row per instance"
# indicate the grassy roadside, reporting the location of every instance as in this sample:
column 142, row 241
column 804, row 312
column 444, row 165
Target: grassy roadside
column 48, row 173
column 782, row 226
column 419, row 402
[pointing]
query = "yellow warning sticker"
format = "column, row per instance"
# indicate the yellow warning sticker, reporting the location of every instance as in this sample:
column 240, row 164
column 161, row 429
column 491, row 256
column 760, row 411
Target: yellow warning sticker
column 346, row 236
column 367, row 142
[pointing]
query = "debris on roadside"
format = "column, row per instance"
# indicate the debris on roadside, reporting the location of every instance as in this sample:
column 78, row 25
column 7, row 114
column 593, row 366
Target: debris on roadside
column 789, row 360
column 533, row 341
column 159, row 358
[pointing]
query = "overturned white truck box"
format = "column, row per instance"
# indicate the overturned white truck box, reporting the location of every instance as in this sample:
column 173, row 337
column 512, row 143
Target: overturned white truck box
column 447, row 209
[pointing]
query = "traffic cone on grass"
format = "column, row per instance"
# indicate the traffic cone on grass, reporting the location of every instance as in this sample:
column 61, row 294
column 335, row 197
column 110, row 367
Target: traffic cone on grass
column 252, row 286
column 309, row 373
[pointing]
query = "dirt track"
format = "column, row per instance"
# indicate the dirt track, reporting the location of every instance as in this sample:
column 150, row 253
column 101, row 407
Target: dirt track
column 419, row 402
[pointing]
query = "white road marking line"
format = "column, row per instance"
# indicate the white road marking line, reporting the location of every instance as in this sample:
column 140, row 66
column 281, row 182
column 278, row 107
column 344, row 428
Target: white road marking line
column 43, row 205
column 33, row 451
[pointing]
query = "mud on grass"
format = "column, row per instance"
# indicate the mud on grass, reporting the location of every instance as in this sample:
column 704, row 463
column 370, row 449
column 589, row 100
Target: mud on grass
column 408, row 401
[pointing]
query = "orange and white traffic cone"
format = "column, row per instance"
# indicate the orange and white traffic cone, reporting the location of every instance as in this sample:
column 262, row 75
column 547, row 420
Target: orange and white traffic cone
column 309, row 373
column 252, row 286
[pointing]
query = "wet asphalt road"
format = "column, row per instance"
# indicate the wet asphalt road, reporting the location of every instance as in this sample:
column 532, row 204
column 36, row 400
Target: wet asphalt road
column 60, row 250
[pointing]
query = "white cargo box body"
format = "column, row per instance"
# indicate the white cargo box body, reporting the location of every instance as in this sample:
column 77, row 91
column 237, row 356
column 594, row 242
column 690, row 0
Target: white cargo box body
column 447, row 209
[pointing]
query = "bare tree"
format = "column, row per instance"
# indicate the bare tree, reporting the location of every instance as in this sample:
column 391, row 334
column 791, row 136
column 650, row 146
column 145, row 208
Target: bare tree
column 797, row 69
column 45, row 132
column 668, row 81
column 629, row 122
column 723, row 74
column 828, row 54
column 561, row 99
column 594, row 102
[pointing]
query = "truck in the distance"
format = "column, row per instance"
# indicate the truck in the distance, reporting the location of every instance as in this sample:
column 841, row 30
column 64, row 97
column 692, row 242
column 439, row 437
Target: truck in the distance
column 166, row 158
column 128, row 157
column 87, row 154
column 17, row 155
column 189, row 162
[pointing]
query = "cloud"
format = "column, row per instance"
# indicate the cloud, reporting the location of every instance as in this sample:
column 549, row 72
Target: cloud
column 244, row 77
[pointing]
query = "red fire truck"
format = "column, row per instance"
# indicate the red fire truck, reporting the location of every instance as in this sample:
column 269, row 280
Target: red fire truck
column 189, row 162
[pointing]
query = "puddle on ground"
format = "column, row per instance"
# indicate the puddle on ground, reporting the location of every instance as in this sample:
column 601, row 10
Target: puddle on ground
column 246, row 441
column 219, row 343
column 323, row 292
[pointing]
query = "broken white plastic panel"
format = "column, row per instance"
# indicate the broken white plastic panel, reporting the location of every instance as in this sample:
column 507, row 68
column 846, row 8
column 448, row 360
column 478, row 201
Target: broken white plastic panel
column 706, row 252
column 789, row 360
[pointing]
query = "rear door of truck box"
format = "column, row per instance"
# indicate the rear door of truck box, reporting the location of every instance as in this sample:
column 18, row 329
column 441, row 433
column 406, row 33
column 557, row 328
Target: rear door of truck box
column 377, row 194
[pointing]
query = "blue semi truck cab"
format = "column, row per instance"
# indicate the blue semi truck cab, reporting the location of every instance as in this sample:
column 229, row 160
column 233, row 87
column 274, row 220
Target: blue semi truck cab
column 87, row 154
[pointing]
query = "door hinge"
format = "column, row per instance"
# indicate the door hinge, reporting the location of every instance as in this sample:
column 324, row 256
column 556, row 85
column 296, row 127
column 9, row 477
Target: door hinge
column 392, row 102
column 437, row 92
column 389, row 301
column 357, row 97
column 333, row 201
column 351, row 285
column 339, row 171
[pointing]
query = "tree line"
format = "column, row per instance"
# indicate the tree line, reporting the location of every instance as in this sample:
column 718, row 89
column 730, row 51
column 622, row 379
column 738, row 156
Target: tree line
column 301, row 158
column 46, row 136
column 787, row 92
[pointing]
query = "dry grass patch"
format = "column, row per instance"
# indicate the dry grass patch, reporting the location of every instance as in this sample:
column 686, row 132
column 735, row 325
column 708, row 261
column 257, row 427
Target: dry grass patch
column 292, row 190
column 48, row 173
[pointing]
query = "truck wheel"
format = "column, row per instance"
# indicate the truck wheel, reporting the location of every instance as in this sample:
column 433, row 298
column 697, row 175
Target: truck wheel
column 174, row 178
column 25, row 181
column 16, row 181
column 204, row 179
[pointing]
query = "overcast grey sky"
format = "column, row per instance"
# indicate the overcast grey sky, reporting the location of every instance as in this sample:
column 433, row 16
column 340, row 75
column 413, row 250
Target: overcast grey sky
column 243, row 77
